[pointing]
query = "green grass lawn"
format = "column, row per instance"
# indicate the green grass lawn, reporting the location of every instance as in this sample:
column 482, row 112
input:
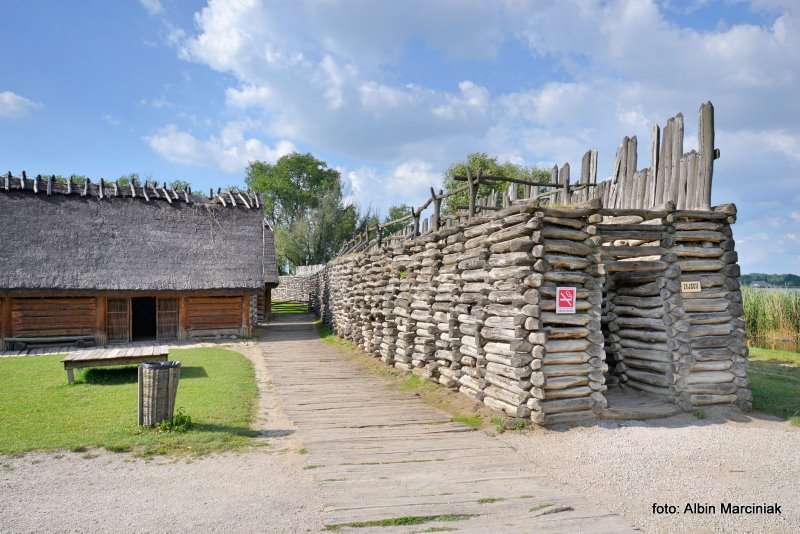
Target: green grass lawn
column 289, row 308
column 39, row 410
column 775, row 378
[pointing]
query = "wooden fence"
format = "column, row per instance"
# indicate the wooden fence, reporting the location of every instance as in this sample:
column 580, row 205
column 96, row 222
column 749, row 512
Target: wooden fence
column 681, row 179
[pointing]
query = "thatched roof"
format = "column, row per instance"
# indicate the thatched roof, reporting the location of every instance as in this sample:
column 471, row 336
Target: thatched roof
column 102, row 236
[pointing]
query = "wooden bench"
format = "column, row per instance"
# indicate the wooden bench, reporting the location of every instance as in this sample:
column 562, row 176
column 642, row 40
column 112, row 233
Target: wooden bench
column 106, row 357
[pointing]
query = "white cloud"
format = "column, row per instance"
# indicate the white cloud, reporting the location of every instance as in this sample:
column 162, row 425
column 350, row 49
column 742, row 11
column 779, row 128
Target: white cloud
column 796, row 215
column 378, row 97
column 13, row 106
column 248, row 96
column 153, row 7
column 356, row 183
column 554, row 103
column 472, row 98
column 230, row 150
column 412, row 179
column 337, row 84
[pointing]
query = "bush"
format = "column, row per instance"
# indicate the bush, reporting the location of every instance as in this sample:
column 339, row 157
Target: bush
column 180, row 422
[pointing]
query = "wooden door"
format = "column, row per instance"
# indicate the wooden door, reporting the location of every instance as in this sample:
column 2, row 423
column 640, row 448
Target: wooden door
column 167, row 318
column 118, row 320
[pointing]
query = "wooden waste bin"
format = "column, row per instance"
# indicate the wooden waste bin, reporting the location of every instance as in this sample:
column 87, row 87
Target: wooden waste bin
column 158, row 386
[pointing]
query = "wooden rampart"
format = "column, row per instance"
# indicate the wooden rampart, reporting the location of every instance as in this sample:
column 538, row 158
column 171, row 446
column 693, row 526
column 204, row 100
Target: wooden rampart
column 468, row 299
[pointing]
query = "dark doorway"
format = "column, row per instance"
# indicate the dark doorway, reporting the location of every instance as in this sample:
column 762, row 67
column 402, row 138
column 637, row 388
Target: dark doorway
column 143, row 318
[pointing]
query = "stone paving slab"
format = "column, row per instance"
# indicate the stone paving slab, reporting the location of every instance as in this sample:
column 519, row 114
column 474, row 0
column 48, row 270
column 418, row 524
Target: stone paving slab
column 379, row 453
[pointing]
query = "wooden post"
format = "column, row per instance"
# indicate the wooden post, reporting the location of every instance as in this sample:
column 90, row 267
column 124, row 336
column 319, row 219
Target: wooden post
column 675, row 154
column 268, row 305
column 664, row 161
column 5, row 320
column 182, row 318
column 655, row 144
column 415, row 214
column 563, row 176
column 705, row 143
column 245, row 315
column 471, row 190
column 100, row 335
column 585, row 167
column 630, row 170
column 437, row 209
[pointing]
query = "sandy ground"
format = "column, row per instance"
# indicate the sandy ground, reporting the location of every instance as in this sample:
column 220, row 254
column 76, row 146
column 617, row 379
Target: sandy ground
column 725, row 457
column 266, row 490
column 626, row 466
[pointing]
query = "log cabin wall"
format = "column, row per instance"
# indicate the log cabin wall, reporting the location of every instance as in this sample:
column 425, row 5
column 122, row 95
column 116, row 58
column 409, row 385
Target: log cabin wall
column 472, row 307
column 53, row 317
column 107, row 318
column 217, row 316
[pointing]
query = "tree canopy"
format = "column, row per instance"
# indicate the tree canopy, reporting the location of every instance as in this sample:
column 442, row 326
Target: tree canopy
column 293, row 186
column 303, row 200
column 488, row 166
column 396, row 212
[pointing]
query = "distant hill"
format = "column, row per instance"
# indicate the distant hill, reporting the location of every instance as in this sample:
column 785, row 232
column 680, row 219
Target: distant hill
column 774, row 280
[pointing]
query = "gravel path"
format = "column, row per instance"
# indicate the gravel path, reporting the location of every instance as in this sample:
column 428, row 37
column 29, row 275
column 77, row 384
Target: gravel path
column 726, row 457
column 250, row 492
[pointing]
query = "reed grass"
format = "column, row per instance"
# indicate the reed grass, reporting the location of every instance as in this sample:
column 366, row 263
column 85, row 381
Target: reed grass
column 771, row 314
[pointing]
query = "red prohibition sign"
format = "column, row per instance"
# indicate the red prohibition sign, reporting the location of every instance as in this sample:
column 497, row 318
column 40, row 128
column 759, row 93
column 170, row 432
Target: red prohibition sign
column 565, row 299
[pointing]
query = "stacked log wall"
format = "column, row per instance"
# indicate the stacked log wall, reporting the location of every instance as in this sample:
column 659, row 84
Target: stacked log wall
column 472, row 306
column 295, row 289
column 570, row 384
column 717, row 361
column 644, row 321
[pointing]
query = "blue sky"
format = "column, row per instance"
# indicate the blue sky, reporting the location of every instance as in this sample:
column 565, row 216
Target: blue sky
column 391, row 93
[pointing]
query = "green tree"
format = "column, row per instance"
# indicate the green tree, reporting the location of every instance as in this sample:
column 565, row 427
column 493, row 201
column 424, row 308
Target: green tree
column 303, row 199
column 487, row 166
column 77, row 179
column 396, row 212
column 180, row 185
column 126, row 179
column 293, row 186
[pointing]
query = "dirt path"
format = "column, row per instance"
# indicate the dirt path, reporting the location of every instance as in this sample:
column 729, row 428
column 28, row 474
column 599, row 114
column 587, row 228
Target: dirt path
column 380, row 454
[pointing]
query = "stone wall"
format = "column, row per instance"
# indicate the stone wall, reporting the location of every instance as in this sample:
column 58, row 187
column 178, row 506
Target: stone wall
column 472, row 306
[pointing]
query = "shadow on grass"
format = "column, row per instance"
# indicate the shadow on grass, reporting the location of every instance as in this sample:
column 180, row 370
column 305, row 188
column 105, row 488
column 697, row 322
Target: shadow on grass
column 227, row 429
column 114, row 376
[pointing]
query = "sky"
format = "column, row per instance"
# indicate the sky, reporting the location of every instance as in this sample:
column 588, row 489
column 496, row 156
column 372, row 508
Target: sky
column 392, row 93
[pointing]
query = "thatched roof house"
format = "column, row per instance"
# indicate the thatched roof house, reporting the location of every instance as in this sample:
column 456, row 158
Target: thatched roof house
column 114, row 256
